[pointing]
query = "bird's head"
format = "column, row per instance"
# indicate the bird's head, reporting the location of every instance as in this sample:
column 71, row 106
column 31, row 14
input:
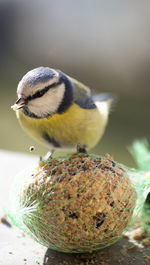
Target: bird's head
column 44, row 91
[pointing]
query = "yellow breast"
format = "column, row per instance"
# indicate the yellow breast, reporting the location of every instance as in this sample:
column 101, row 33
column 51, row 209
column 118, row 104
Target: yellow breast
column 76, row 125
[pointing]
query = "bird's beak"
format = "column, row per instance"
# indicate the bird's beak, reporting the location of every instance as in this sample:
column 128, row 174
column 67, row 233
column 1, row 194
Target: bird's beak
column 19, row 104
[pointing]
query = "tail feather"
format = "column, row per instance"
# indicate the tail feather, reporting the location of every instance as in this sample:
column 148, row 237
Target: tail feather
column 109, row 98
column 104, row 97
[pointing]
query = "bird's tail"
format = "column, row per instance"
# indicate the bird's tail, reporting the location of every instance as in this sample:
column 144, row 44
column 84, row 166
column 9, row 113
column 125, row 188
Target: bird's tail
column 108, row 98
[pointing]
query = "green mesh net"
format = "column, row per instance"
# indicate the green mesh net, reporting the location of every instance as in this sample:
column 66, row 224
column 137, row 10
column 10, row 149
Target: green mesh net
column 75, row 204
column 141, row 178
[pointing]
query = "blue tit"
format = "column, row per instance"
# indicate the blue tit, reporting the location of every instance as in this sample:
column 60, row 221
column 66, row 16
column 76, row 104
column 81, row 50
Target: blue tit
column 59, row 111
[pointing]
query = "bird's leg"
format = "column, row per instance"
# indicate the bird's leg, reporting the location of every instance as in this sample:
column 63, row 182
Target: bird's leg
column 81, row 148
column 40, row 159
column 47, row 156
column 52, row 152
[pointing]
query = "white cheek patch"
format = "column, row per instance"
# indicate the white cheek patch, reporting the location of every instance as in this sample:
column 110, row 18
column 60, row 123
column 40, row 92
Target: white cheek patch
column 48, row 103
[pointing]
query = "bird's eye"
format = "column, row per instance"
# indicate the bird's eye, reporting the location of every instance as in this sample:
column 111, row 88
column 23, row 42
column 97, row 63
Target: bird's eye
column 39, row 93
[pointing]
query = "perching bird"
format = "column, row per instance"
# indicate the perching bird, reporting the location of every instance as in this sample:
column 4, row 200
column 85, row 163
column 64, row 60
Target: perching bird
column 59, row 111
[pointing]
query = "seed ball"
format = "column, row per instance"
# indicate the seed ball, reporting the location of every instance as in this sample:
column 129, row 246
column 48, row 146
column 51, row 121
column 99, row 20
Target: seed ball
column 78, row 204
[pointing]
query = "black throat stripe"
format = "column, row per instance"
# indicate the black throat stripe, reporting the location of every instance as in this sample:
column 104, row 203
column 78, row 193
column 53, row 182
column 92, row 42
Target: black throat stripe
column 40, row 93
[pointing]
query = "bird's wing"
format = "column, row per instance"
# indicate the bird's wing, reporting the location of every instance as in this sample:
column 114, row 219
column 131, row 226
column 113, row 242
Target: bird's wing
column 82, row 95
column 80, row 90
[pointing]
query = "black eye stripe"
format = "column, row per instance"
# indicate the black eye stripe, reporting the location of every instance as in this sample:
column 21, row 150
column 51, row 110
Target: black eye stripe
column 40, row 93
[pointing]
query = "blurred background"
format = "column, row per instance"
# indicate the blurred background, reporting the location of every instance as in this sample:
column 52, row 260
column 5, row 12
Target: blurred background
column 104, row 44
